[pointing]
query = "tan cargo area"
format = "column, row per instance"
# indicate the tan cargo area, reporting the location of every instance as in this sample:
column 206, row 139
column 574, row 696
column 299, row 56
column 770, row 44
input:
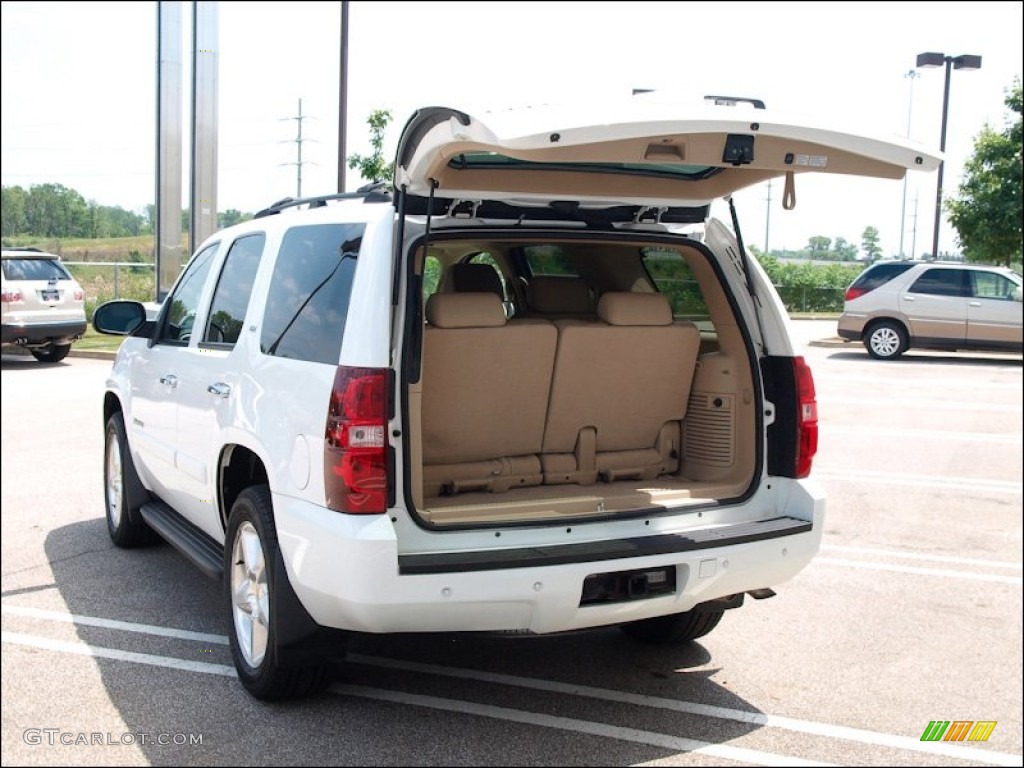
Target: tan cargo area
column 552, row 397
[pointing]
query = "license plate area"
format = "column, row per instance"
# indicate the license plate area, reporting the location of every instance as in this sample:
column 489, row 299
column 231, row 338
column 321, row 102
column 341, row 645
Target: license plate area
column 623, row 586
column 51, row 295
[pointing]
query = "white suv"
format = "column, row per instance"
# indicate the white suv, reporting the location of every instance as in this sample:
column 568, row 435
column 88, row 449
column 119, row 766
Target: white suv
column 43, row 306
column 534, row 390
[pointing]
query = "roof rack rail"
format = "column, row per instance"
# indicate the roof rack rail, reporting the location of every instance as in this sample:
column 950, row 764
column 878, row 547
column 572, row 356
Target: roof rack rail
column 23, row 248
column 731, row 101
column 375, row 192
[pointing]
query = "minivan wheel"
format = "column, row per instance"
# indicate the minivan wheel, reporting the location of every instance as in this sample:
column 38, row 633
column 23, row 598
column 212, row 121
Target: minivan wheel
column 123, row 492
column 886, row 340
column 675, row 628
column 53, row 353
column 250, row 551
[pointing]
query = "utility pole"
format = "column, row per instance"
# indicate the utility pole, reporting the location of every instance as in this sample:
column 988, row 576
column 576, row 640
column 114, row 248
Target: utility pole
column 298, row 145
column 767, row 217
column 912, row 74
column 913, row 240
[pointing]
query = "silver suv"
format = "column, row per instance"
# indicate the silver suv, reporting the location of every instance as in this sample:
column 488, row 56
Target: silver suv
column 43, row 305
column 534, row 388
column 893, row 306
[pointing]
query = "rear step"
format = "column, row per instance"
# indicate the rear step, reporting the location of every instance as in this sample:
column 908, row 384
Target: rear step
column 594, row 551
column 191, row 541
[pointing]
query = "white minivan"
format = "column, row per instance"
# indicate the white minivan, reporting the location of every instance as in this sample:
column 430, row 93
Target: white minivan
column 526, row 387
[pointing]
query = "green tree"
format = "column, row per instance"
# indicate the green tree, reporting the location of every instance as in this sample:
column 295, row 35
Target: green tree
column 12, row 200
column 373, row 167
column 819, row 245
column 869, row 243
column 231, row 217
column 845, row 251
column 988, row 211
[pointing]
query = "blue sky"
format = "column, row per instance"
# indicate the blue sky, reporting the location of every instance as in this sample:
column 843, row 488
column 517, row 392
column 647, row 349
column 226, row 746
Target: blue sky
column 78, row 87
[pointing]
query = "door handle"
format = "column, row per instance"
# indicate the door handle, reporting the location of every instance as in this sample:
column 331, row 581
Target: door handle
column 169, row 379
column 219, row 388
column 974, row 303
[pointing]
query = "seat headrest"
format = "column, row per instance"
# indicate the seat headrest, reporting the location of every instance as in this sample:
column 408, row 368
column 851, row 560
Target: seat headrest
column 465, row 310
column 472, row 278
column 554, row 295
column 634, row 309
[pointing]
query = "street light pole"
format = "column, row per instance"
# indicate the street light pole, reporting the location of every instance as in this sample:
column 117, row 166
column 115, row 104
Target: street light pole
column 964, row 61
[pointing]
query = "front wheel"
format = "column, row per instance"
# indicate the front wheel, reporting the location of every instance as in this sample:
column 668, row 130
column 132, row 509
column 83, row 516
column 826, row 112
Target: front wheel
column 675, row 628
column 886, row 340
column 250, row 551
column 51, row 354
column 123, row 492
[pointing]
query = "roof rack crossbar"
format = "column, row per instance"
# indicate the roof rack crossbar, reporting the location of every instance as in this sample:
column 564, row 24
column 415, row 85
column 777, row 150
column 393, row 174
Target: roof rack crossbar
column 376, row 191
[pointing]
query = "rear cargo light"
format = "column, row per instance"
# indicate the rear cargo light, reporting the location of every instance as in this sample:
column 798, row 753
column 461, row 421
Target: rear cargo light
column 355, row 459
column 79, row 295
column 807, row 418
column 11, row 296
column 854, row 293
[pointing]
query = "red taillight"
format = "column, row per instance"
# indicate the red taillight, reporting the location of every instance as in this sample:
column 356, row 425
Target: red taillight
column 11, row 296
column 854, row 293
column 79, row 295
column 807, row 418
column 355, row 459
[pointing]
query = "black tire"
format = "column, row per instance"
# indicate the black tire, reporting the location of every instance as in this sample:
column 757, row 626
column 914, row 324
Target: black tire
column 123, row 492
column 51, row 354
column 250, row 581
column 676, row 628
column 886, row 340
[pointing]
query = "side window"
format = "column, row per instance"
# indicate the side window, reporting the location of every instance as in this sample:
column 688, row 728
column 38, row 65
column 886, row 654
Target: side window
column 231, row 298
column 880, row 274
column 988, row 285
column 673, row 277
column 309, row 291
column 940, row 282
column 184, row 301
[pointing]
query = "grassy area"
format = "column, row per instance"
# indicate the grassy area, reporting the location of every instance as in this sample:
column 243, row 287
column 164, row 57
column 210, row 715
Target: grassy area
column 98, row 342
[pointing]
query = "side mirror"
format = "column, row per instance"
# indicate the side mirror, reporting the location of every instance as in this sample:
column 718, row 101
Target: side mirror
column 119, row 318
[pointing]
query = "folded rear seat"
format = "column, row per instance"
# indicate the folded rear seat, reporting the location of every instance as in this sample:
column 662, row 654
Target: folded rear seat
column 485, row 395
column 619, row 392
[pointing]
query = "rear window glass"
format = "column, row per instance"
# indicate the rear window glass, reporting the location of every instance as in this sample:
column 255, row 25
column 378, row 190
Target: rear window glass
column 674, row 278
column 309, row 291
column 879, row 274
column 548, row 260
column 34, row 269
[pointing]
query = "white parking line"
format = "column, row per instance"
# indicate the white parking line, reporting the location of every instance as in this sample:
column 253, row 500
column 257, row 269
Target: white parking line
column 636, row 736
column 978, row 485
column 827, row 730
column 942, row 572
column 901, row 555
column 927, row 434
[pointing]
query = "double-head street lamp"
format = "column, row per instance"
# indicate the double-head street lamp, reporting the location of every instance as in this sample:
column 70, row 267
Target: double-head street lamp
column 965, row 61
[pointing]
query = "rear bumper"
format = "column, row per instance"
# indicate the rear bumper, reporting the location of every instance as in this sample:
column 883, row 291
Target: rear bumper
column 346, row 572
column 63, row 332
column 851, row 326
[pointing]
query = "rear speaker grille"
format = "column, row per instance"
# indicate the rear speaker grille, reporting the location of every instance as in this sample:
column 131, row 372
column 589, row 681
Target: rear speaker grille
column 709, row 428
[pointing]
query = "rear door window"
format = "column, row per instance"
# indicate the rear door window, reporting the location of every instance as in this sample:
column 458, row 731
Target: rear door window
column 878, row 275
column 940, row 282
column 234, row 287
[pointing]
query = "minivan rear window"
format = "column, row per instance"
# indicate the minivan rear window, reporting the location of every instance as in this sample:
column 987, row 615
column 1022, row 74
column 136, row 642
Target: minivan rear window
column 34, row 269
column 878, row 275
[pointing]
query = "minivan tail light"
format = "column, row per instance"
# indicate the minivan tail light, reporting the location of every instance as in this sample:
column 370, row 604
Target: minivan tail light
column 11, row 296
column 807, row 418
column 854, row 293
column 355, row 446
